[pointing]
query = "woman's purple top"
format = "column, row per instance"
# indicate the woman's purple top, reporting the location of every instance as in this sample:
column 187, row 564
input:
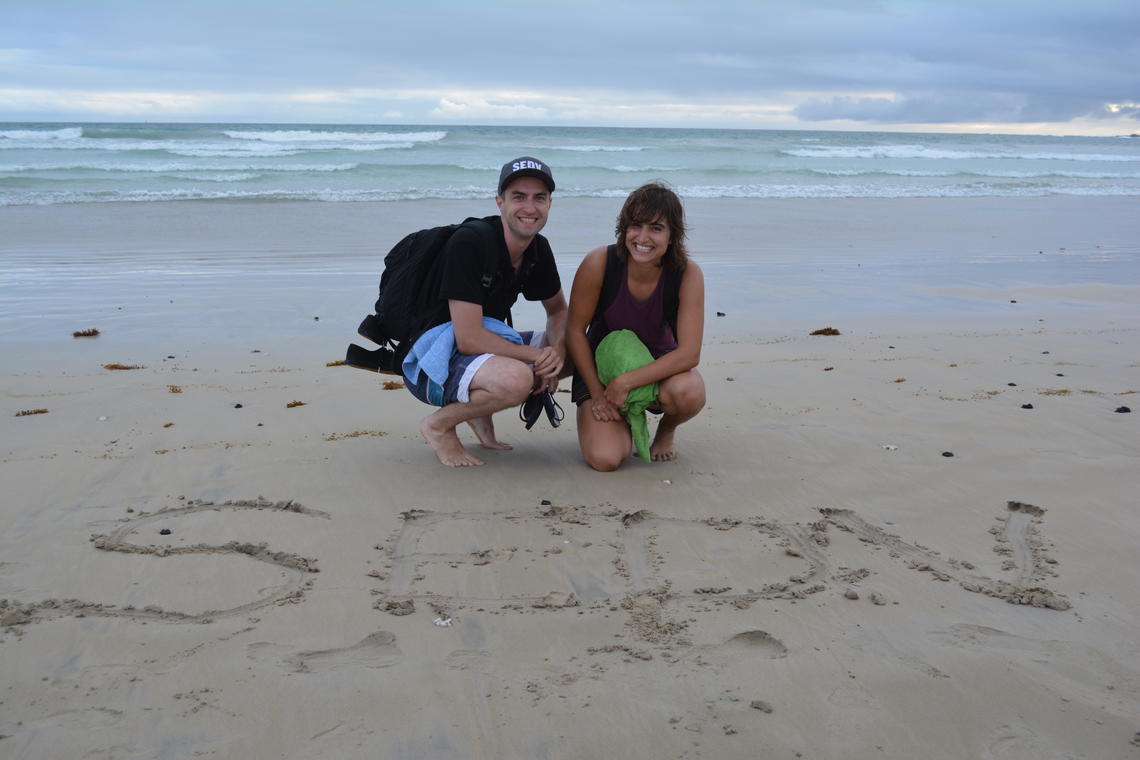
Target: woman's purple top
column 645, row 318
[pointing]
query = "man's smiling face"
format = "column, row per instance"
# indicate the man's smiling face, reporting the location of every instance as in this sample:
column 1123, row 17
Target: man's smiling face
column 524, row 205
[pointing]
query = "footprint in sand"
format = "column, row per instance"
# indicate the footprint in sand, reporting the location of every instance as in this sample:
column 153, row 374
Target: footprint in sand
column 756, row 644
column 1013, row 742
column 1048, row 660
column 377, row 650
column 749, row 645
column 478, row 660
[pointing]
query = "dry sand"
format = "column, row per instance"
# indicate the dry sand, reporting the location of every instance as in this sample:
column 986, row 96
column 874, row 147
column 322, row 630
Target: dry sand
column 813, row 578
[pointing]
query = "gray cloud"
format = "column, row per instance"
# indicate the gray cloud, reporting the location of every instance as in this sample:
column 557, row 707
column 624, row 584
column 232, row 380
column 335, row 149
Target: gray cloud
column 955, row 108
column 873, row 61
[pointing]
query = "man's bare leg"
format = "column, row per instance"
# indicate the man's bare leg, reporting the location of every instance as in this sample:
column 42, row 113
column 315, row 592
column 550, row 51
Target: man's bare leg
column 484, row 428
column 499, row 383
column 446, row 444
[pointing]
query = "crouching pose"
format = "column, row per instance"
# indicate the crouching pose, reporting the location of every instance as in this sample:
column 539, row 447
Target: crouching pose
column 470, row 363
column 646, row 284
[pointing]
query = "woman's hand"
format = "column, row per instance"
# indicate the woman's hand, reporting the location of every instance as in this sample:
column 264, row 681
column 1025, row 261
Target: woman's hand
column 617, row 391
column 603, row 411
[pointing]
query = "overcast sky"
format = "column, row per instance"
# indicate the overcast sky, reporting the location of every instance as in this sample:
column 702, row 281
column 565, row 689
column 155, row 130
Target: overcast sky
column 1022, row 66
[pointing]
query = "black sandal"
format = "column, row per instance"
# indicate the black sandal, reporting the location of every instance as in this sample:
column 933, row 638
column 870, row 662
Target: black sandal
column 534, row 406
column 553, row 410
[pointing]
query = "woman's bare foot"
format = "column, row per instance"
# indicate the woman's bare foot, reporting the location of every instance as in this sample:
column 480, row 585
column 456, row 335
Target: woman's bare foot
column 447, row 447
column 485, row 431
column 662, row 449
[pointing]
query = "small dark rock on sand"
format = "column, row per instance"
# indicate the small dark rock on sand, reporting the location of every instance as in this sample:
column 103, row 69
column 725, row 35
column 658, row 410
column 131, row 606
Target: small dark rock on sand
column 947, row 453
column 825, row 331
column 1122, row 410
column 164, row 532
column 720, row 313
column 237, row 406
column 1027, row 406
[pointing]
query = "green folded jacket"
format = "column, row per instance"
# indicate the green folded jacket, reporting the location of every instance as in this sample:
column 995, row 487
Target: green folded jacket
column 620, row 352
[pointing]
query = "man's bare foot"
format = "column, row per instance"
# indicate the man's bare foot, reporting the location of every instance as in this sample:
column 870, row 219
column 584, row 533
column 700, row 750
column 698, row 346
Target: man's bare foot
column 662, row 449
column 447, row 447
column 485, row 431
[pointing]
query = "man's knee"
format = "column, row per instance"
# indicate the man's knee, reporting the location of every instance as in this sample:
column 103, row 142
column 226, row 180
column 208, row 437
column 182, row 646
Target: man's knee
column 507, row 379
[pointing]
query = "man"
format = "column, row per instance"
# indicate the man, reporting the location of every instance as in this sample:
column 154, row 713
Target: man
column 487, row 372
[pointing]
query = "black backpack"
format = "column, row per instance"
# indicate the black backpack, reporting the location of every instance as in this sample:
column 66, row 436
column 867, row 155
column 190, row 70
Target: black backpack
column 404, row 308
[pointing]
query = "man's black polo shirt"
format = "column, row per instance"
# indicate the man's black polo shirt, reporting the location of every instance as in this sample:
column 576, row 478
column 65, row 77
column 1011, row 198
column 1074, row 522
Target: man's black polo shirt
column 459, row 274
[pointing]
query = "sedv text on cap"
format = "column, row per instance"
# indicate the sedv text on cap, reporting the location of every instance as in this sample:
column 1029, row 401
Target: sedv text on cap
column 525, row 167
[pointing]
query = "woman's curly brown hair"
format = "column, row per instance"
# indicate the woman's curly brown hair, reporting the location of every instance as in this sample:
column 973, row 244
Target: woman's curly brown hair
column 646, row 204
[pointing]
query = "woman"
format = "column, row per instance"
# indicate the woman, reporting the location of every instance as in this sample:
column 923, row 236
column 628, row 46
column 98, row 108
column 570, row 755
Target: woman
column 657, row 292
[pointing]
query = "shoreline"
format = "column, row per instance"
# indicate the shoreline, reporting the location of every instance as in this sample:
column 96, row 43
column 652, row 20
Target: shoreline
column 228, row 271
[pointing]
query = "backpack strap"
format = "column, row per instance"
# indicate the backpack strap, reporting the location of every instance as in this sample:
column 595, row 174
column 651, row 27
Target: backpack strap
column 672, row 297
column 611, row 283
column 490, row 240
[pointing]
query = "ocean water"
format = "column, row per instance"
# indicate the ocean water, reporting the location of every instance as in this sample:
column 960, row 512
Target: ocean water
column 44, row 164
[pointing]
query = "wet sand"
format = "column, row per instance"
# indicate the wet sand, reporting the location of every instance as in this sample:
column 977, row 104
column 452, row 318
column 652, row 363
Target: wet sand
column 194, row 565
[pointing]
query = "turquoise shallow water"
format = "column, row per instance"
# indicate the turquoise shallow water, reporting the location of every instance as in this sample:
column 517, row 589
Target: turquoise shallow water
column 89, row 163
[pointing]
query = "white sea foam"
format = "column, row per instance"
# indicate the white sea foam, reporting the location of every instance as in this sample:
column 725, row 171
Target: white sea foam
column 42, row 198
column 308, row 135
column 923, row 152
column 627, row 169
column 219, row 177
column 41, row 135
column 600, row 148
column 203, row 148
column 884, row 172
column 163, row 168
column 135, row 162
column 252, row 149
column 973, row 190
column 46, row 197
column 992, row 174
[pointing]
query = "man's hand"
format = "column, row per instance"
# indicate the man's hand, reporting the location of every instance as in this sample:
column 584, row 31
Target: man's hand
column 548, row 366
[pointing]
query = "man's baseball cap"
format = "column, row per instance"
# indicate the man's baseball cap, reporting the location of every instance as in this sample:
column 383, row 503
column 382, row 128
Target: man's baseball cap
column 525, row 167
